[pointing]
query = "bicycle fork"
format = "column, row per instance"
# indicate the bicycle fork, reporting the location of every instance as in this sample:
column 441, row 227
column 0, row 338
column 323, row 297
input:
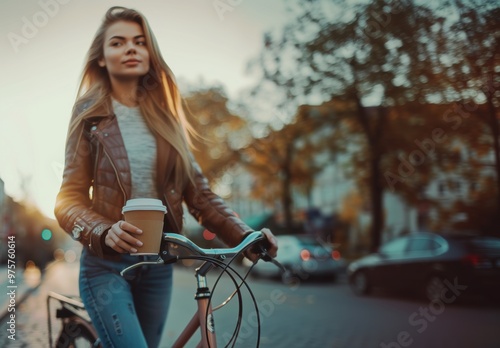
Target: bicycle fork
column 203, row 318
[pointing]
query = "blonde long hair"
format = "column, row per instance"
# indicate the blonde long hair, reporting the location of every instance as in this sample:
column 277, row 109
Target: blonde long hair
column 158, row 95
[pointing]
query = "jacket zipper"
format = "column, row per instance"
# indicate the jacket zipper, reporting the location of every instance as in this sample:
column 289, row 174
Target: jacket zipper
column 171, row 212
column 117, row 175
column 100, row 142
column 96, row 159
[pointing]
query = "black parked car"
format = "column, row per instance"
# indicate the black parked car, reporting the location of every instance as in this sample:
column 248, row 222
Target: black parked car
column 436, row 265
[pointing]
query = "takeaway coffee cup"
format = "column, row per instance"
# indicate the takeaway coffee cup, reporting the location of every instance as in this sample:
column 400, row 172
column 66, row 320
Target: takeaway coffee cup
column 146, row 214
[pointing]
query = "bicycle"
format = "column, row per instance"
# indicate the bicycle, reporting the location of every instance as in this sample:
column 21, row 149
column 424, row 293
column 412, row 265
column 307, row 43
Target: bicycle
column 77, row 329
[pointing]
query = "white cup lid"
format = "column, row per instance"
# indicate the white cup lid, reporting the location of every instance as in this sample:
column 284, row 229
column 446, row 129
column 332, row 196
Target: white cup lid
column 144, row 204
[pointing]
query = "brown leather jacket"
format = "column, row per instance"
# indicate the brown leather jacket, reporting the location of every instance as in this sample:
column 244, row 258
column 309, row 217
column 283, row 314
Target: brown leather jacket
column 97, row 183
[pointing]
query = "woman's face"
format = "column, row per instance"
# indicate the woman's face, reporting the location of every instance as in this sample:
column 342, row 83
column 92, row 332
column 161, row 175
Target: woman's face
column 125, row 54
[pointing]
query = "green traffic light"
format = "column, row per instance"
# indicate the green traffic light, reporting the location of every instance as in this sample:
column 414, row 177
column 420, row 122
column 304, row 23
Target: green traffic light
column 46, row 234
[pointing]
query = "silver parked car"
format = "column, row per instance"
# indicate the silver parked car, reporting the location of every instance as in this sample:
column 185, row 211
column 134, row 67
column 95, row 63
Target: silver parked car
column 304, row 257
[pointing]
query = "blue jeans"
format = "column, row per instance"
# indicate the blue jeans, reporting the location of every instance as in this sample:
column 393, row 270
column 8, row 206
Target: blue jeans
column 126, row 313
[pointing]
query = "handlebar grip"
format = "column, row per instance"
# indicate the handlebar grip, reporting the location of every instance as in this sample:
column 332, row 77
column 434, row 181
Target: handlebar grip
column 261, row 248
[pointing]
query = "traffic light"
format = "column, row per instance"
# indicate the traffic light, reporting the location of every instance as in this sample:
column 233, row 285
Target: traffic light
column 46, row 234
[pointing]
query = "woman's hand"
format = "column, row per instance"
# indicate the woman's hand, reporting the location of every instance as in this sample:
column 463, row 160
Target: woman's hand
column 272, row 248
column 120, row 237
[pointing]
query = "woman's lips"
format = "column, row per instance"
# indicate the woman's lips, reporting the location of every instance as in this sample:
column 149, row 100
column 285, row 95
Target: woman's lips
column 131, row 62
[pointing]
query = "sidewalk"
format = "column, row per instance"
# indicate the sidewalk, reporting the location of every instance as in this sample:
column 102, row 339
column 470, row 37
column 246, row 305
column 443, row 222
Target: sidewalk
column 16, row 291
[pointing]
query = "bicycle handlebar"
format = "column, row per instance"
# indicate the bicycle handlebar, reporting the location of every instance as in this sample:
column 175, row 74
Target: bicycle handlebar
column 185, row 242
column 221, row 253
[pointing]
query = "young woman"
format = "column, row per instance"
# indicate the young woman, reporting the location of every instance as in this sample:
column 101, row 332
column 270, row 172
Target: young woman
column 128, row 138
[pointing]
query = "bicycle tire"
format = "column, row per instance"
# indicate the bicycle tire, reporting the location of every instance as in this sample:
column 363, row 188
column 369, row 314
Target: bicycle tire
column 76, row 333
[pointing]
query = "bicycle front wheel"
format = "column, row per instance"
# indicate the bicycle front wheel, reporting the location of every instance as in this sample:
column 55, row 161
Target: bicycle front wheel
column 77, row 333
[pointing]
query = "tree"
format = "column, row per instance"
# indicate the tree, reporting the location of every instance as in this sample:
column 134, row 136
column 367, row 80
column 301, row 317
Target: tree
column 220, row 132
column 378, row 53
column 472, row 65
column 291, row 156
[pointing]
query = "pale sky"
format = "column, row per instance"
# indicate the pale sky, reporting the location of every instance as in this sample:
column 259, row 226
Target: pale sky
column 43, row 44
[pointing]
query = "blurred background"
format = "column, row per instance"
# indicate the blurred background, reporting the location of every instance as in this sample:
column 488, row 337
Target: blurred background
column 352, row 121
column 364, row 133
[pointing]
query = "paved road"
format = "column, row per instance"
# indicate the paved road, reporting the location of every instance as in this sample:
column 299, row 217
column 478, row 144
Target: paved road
column 304, row 315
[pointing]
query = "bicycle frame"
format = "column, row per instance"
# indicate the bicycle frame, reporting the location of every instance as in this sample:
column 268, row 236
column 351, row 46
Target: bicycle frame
column 202, row 318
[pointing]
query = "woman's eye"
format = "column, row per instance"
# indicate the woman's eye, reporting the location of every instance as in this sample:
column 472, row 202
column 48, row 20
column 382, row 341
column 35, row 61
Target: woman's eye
column 141, row 43
column 116, row 44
